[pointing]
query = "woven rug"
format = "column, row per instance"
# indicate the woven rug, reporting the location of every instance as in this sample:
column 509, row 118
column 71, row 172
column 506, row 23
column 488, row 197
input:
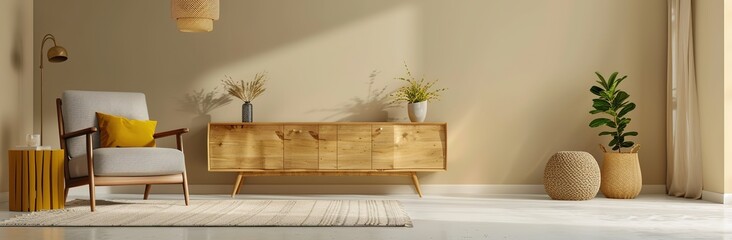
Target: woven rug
column 222, row 213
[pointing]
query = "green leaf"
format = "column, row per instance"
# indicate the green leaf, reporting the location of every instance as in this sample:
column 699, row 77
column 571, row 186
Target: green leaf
column 620, row 98
column 611, row 81
column 606, row 133
column 601, row 83
column 596, row 90
column 612, row 125
column 630, row 134
column 627, row 144
column 600, row 104
column 596, row 111
column 605, row 95
column 621, row 105
column 599, row 122
column 621, row 128
column 624, row 121
column 620, row 80
column 616, row 147
column 626, row 109
column 614, row 141
column 602, row 80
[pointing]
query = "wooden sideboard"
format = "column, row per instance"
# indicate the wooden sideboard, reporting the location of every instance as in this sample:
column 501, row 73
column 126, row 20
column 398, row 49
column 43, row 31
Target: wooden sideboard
column 333, row 148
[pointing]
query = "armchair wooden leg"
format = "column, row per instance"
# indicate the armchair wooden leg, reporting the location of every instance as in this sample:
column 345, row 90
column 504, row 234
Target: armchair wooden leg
column 66, row 193
column 147, row 191
column 185, row 187
column 92, row 194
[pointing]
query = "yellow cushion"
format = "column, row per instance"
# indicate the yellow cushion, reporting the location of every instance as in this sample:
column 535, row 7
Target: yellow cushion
column 116, row 131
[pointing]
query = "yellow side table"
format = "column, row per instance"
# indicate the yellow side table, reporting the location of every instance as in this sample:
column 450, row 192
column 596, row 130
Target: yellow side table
column 36, row 180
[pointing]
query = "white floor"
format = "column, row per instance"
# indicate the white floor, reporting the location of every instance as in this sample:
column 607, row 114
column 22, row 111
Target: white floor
column 455, row 217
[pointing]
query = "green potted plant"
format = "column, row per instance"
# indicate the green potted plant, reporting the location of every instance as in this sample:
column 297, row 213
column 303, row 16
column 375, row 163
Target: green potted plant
column 416, row 93
column 620, row 173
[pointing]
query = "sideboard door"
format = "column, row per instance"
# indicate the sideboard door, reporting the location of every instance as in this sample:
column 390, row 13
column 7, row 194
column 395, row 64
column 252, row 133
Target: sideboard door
column 354, row 147
column 301, row 147
column 245, row 147
column 383, row 146
column 420, row 146
column 328, row 146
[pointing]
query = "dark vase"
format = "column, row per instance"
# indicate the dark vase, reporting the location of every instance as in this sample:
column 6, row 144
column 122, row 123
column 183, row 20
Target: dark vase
column 246, row 112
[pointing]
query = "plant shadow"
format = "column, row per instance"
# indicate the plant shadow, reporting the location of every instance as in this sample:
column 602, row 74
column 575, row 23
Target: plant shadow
column 374, row 107
column 202, row 102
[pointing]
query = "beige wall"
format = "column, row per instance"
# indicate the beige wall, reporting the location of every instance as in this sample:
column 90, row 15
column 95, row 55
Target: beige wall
column 16, row 93
column 708, row 45
column 518, row 72
column 713, row 45
column 727, row 96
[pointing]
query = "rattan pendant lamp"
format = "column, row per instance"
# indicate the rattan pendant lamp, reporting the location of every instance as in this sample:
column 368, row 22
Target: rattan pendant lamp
column 195, row 15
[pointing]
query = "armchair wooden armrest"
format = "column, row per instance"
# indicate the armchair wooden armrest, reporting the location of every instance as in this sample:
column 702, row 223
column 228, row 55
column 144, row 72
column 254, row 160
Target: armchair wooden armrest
column 170, row 133
column 81, row 132
column 177, row 133
column 87, row 132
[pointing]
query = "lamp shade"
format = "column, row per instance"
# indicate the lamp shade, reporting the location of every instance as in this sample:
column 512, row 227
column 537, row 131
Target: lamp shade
column 57, row 54
column 195, row 15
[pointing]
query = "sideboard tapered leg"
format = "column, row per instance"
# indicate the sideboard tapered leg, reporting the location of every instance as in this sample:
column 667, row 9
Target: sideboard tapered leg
column 237, row 184
column 415, row 180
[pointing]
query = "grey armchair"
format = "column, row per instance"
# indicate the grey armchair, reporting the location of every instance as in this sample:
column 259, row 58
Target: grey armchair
column 87, row 163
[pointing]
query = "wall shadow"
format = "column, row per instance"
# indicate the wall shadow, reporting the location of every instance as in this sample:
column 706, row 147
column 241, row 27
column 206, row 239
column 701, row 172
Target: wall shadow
column 11, row 119
column 197, row 150
column 371, row 108
column 202, row 101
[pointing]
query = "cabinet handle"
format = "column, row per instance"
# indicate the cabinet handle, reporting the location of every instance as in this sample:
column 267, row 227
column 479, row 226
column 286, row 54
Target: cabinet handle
column 314, row 135
column 280, row 135
column 378, row 131
column 296, row 131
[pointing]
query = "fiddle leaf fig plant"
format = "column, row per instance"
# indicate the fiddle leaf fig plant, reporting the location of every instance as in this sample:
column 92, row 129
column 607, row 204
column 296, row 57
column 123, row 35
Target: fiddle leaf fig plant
column 614, row 105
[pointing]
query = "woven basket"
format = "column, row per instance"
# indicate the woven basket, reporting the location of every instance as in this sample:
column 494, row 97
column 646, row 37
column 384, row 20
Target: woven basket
column 572, row 175
column 621, row 175
column 195, row 15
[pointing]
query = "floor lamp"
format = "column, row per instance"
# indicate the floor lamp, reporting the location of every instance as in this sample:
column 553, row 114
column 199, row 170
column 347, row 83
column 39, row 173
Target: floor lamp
column 55, row 54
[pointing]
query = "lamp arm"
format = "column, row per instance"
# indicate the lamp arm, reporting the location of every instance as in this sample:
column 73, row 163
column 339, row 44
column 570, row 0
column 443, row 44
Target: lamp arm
column 46, row 38
column 43, row 42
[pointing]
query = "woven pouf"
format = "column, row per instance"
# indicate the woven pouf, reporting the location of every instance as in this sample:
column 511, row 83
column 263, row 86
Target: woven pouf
column 572, row 175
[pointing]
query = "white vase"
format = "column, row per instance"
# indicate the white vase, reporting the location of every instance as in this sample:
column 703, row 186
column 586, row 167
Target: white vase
column 417, row 111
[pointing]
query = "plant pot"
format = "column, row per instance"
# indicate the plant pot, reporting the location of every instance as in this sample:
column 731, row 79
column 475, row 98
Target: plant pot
column 417, row 111
column 621, row 175
column 246, row 112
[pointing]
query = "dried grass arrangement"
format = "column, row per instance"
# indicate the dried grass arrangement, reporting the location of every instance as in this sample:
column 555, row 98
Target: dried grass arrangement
column 246, row 91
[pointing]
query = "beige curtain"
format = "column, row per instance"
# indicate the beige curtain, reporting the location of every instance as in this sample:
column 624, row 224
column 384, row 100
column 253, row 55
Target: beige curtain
column 684, row 164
